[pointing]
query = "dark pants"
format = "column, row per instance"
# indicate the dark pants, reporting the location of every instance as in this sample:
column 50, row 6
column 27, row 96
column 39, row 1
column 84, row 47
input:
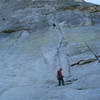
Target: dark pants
column 61, row 81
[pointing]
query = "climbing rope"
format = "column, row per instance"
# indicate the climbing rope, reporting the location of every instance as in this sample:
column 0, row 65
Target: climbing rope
column 61, row 40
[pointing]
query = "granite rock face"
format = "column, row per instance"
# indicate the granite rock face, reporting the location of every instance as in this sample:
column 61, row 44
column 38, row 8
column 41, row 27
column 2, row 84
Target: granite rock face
column 34, row 15
column 39, row 36
column 76, row 21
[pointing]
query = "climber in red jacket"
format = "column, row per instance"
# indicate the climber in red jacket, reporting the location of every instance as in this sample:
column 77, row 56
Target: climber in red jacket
column 60, row 77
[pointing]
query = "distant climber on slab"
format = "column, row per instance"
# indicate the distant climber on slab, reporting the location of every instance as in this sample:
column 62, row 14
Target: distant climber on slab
column 54, row 25
column 60, row 77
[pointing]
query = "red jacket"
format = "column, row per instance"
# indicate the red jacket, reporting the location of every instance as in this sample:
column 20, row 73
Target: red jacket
column 59, row 75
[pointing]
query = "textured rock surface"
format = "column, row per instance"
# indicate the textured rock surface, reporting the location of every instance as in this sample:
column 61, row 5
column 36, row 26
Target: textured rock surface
column 33, row 15
column 37, row 37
